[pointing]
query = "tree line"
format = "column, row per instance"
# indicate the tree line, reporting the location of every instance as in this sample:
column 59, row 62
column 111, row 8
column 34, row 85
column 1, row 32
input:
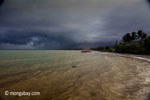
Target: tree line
column 134, row 43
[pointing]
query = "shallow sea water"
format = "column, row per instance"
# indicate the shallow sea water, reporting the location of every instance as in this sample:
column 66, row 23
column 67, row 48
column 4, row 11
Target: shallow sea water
column 72, row 75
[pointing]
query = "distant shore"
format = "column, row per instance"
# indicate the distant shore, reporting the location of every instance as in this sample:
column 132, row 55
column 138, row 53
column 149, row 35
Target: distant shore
column 136, row 56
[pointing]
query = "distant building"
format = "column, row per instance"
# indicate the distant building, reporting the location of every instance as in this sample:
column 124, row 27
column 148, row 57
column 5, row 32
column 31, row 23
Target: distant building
column 135, row 41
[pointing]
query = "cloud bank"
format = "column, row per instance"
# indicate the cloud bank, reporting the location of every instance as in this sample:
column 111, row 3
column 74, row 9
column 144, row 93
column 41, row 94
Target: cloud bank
column 67, row 24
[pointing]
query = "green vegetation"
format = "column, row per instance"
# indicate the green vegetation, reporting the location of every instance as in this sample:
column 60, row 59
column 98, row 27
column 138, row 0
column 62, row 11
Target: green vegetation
column 134, row 43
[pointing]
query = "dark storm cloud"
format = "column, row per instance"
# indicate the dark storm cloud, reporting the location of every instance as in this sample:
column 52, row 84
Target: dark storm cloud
column 148, row 1
column 65, row 24
column 127, row 19
column 1, row 2
column 37, row 38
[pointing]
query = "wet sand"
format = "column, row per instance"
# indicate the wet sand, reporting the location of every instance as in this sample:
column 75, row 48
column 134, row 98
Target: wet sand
column 97, row 76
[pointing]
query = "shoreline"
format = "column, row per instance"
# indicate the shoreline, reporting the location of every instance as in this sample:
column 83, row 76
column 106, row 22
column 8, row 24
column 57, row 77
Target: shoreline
column 135, row 56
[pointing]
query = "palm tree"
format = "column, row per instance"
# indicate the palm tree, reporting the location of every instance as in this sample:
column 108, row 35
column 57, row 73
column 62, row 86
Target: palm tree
column 134, row 36
column 127, row 38
column 124, row 38
column 144, row 36
column 140, row 32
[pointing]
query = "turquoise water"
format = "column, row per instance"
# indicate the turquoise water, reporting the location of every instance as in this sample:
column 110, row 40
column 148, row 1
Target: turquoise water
column 29, row 58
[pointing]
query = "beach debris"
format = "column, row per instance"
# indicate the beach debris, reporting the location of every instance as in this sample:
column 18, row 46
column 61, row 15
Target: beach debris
column 85, row 50
column 74, row 66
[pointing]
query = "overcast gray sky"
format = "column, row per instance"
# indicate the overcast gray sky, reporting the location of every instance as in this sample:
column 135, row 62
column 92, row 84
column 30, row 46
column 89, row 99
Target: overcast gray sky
column 65, row 24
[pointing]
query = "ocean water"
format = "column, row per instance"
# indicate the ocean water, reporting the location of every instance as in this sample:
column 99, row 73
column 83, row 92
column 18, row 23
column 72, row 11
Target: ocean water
column 72, row 75
column 30, row 58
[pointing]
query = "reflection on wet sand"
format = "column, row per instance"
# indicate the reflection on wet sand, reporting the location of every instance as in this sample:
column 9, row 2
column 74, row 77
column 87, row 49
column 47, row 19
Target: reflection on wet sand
column 72, row 75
